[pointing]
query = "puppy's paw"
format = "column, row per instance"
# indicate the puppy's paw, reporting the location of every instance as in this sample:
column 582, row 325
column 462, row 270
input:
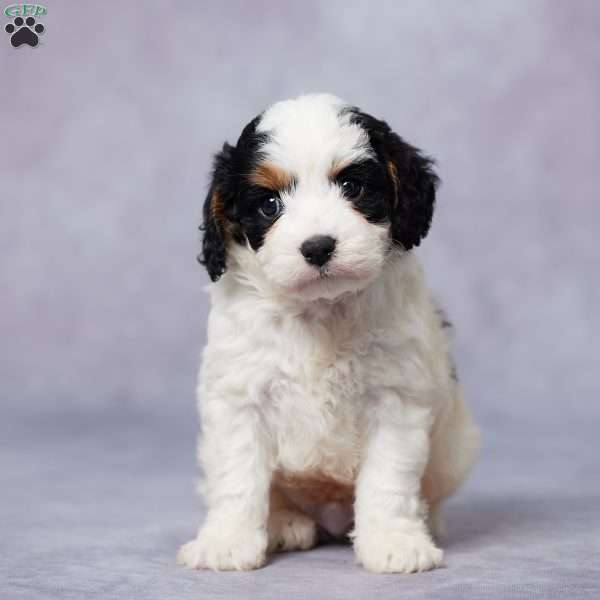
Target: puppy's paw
column 291, row 530
column 226, row 550
column 396, row 551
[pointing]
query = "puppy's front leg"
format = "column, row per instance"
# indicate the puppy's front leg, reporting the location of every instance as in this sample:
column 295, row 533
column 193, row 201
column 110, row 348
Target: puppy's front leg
column 238, row 467
column 390, row 534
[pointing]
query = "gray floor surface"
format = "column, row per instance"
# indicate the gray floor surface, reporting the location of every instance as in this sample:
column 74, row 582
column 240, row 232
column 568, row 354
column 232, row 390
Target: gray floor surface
column 95, row 507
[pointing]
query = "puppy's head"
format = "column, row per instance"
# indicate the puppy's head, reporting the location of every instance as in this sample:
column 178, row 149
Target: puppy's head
column 313, row 197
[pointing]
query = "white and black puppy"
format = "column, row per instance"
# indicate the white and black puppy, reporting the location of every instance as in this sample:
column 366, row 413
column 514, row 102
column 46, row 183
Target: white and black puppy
column 327, row 394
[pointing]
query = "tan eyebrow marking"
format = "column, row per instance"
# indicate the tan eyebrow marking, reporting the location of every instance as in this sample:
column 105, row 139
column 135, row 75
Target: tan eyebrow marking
column 269, row 176
column 337, row 167
column 393, row 173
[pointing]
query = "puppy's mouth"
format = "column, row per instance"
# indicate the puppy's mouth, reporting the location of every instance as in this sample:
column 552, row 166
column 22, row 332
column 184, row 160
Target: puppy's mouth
column 328, row 277
column 324, row 272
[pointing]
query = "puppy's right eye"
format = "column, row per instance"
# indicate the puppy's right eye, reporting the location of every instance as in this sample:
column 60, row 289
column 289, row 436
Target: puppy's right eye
column 270, row 207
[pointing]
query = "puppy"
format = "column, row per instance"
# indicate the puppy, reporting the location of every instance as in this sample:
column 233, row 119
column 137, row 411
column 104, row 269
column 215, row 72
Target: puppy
column 328, row 399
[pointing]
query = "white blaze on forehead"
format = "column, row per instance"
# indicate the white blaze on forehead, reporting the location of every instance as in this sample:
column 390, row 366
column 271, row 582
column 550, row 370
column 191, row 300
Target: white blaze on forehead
column 309, row 135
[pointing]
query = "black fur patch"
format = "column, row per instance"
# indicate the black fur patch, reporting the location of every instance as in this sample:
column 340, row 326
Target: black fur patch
column 213, row 255
column 255, row 225
column 230, row 181
column 412, row 179
column 446, row 324
column 453, row 371
column 443, row 317
column 373, row 202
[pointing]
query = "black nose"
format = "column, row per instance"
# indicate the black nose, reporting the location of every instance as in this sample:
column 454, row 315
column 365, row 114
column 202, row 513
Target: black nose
column 318, row 249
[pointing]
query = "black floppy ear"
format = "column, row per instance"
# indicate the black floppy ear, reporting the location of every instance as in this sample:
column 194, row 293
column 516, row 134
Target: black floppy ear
column 414, row 183
column 215, row 225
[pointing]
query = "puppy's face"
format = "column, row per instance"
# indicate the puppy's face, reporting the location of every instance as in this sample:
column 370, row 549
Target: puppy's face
column 313, row 197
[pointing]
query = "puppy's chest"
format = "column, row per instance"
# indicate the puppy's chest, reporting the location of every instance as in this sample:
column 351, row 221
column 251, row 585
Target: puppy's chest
column 319, row 396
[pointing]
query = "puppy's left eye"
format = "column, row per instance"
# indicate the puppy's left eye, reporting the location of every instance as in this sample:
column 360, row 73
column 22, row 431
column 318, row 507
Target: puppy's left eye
column 351, row 188
column 270, row 207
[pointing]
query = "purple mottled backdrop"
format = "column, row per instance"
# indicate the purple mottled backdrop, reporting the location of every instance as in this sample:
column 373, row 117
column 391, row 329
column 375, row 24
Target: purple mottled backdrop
column 107, row 130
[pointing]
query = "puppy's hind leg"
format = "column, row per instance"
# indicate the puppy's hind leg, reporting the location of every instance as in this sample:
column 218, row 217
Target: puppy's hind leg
column 288, row 528
column 454, row 449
